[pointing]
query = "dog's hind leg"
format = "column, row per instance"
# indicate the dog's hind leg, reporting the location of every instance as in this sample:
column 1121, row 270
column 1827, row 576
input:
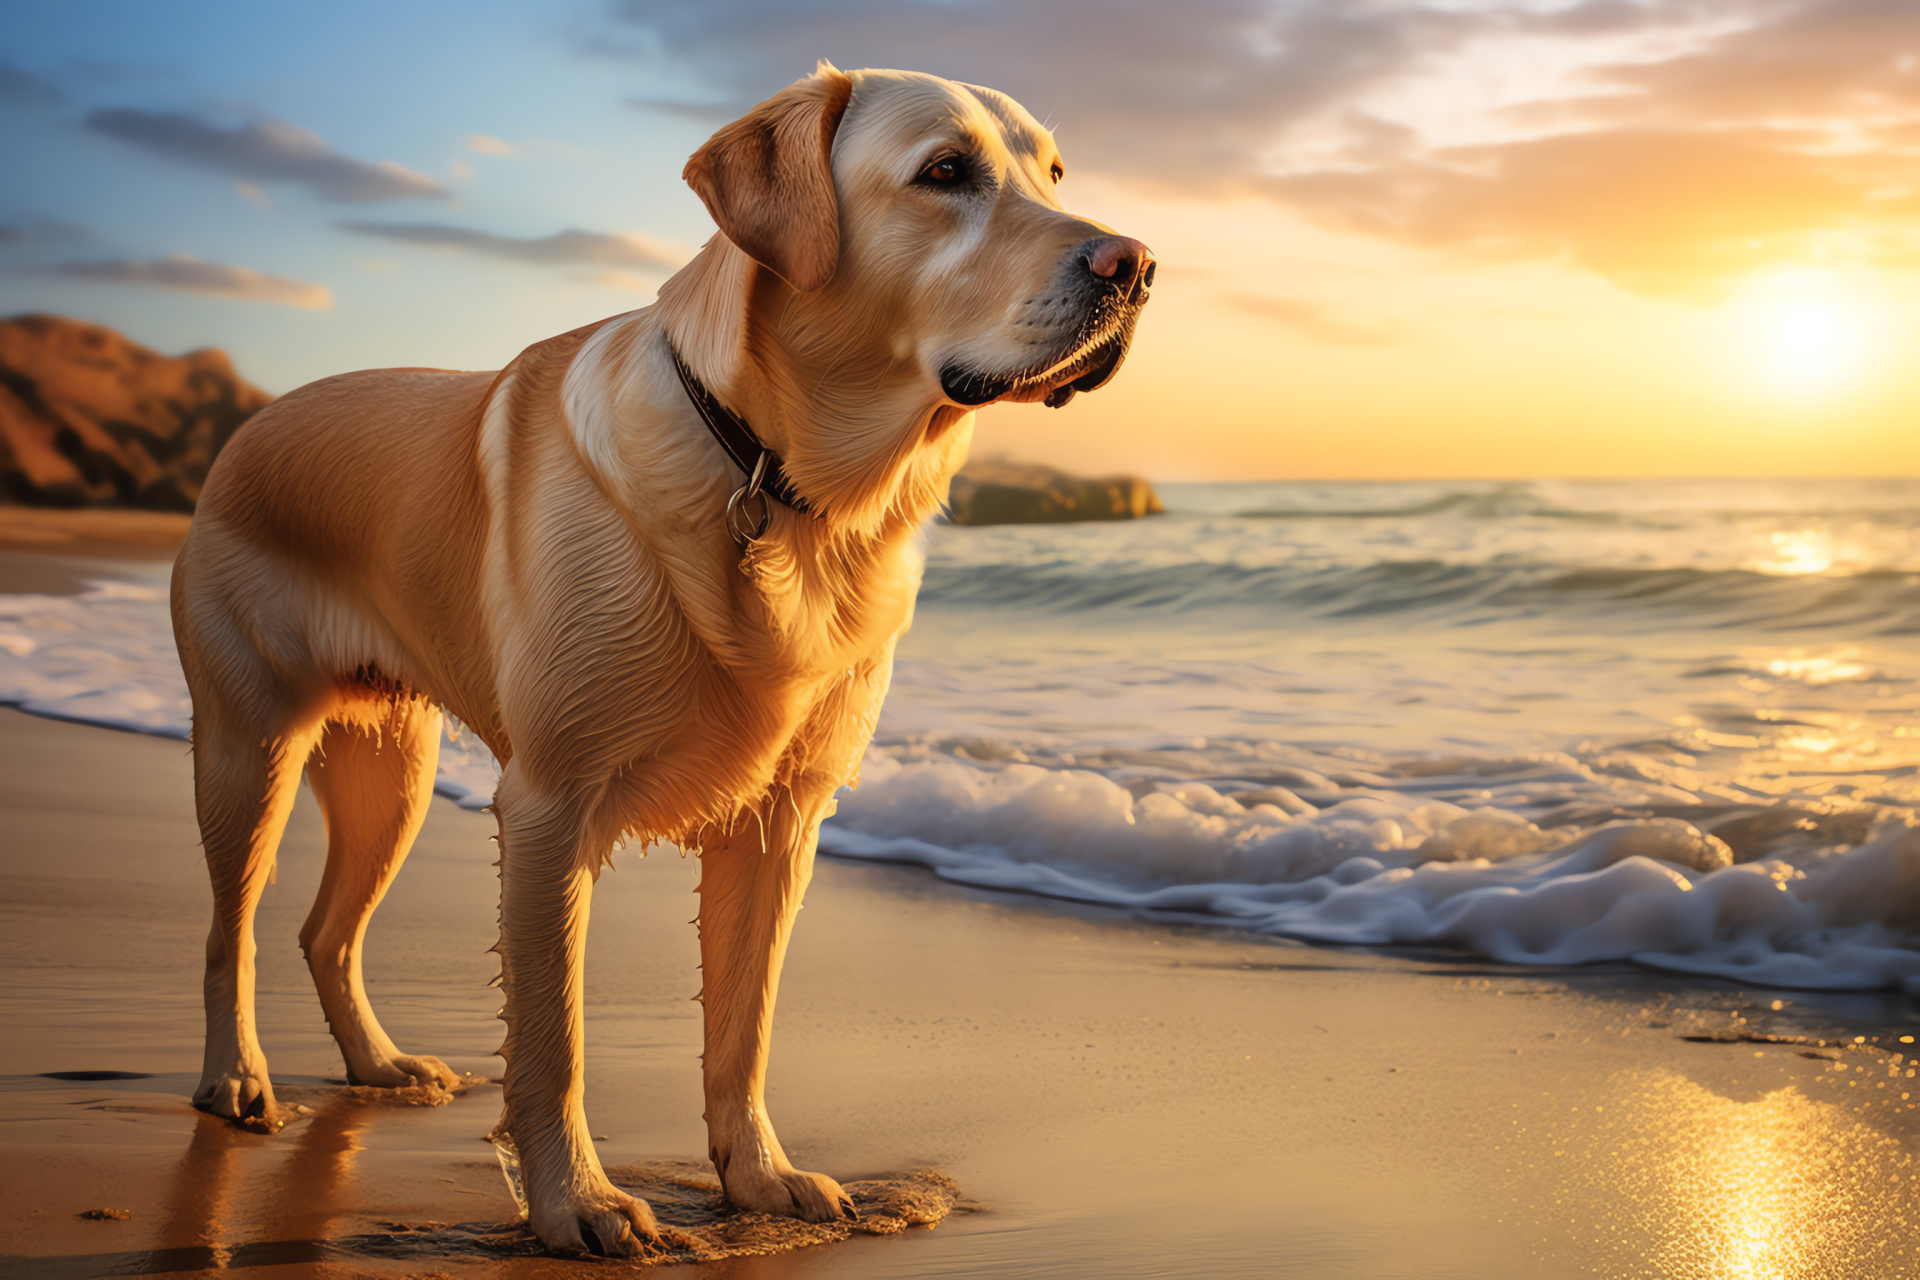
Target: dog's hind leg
column 244, row 781
column 751, row 882
column 373, row 777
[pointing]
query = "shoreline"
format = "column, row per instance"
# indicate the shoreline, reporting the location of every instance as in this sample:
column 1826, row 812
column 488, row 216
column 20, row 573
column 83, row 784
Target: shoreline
column 1118, row 1096
column 45, row 551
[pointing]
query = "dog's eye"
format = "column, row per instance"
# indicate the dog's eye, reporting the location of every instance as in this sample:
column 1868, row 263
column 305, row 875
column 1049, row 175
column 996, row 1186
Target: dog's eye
column 1058, row 171
column 943, row 171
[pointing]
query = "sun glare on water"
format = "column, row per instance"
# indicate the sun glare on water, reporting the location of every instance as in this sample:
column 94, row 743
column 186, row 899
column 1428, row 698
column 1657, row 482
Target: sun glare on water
column 1797, row 552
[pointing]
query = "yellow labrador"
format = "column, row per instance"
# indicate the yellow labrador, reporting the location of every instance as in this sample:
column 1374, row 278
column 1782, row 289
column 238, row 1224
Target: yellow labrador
column 658, row 565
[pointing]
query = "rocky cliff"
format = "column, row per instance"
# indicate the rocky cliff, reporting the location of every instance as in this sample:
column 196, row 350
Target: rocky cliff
column 89, row 419
column 994, row 491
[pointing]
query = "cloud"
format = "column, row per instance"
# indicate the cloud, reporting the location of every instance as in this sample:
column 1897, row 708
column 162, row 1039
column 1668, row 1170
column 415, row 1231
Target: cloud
column 1183, row 92
column 560, row 248
column 1661, row 211
column 25, row 89
column 1314, row 322
column 192, row 275
column 1669, row 145
column 1786, row 140
column 265, row 151
column 708, row 113
column 43, row 233
column 613, row 278
column 1838, row 59
column 488, row 145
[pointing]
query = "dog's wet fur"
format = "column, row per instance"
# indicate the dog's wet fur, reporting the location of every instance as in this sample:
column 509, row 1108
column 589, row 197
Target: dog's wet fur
column 540, row 552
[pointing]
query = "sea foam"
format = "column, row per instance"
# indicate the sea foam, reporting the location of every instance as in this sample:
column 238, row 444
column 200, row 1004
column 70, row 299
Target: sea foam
column 106, row 657
column 1551, row 725
column 1385, row 868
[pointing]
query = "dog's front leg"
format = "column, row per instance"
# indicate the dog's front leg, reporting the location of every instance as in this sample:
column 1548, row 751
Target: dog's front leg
column 751, row 882
column 549, row 850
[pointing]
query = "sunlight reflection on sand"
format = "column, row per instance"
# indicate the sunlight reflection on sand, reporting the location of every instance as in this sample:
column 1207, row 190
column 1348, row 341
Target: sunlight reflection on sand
column 1706, row 1187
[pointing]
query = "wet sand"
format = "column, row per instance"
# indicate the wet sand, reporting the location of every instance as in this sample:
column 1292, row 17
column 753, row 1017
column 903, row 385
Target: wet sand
column 1115, row 1098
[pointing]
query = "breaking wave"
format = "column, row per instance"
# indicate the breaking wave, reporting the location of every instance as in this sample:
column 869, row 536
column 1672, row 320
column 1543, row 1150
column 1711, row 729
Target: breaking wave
column 1553, row 724
column 1610, row 866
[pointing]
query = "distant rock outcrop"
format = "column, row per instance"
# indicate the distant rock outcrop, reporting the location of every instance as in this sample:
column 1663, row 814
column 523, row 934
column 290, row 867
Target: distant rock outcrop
column 90, row 419
column 995, row 491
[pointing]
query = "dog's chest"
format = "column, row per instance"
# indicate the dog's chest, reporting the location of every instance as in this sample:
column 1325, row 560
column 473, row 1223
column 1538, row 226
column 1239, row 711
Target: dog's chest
column 815, row 637
column 789, row 688
column 812, row 614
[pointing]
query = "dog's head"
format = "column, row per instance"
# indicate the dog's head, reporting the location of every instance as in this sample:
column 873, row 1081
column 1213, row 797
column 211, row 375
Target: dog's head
column 916, row 232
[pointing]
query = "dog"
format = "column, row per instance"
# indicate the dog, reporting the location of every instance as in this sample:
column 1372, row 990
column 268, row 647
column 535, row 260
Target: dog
column 658, row 565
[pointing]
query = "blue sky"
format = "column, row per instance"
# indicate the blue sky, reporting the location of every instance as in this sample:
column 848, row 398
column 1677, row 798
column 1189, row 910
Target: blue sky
column 1396, row 237
column 408, row 84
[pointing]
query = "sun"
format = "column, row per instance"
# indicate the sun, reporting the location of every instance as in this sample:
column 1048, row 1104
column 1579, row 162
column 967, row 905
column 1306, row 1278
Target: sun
column 1812, row 343
column 1804, row 333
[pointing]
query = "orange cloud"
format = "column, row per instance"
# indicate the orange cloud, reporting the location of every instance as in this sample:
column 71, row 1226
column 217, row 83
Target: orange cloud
column 1661, row 211
column 1668, row 145
column 1787, row 140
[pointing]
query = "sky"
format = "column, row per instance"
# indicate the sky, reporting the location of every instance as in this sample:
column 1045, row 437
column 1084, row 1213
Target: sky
column 1462, row 238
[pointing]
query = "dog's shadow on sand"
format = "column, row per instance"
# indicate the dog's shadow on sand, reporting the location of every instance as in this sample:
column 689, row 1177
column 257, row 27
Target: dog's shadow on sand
column 302, row 1211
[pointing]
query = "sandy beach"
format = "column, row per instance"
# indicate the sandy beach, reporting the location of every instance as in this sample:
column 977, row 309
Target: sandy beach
column 1335, row 587
column 1113, row 1097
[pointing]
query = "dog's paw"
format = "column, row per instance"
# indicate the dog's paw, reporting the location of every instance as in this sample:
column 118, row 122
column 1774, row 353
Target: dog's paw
column 791, row 1193
column 599, row 1219
column 405, row 1069
column 242, row 1094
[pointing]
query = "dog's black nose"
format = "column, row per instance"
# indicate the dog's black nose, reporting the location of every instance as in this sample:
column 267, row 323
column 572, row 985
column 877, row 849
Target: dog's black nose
column 1125, row 263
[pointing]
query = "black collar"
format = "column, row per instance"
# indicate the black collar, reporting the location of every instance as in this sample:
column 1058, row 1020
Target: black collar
column 737, row 438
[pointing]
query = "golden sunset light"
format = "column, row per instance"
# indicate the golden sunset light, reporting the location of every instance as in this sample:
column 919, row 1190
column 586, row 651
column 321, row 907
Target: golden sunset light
column 1807, row 334
column 1322, row 598
column 1485, row 239
column 1797, row 552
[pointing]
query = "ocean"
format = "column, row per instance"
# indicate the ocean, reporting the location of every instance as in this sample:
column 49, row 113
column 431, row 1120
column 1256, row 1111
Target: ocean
column 1551, row 723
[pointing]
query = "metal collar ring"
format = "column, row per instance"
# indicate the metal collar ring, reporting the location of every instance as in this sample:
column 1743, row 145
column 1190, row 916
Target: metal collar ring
column 743, row 523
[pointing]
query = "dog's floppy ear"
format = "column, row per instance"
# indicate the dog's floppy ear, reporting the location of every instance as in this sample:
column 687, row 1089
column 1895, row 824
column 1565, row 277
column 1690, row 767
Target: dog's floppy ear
column 767, row 179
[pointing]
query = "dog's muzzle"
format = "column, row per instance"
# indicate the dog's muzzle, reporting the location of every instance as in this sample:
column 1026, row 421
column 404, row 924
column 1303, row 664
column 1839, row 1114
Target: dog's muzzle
column 1111, row 277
